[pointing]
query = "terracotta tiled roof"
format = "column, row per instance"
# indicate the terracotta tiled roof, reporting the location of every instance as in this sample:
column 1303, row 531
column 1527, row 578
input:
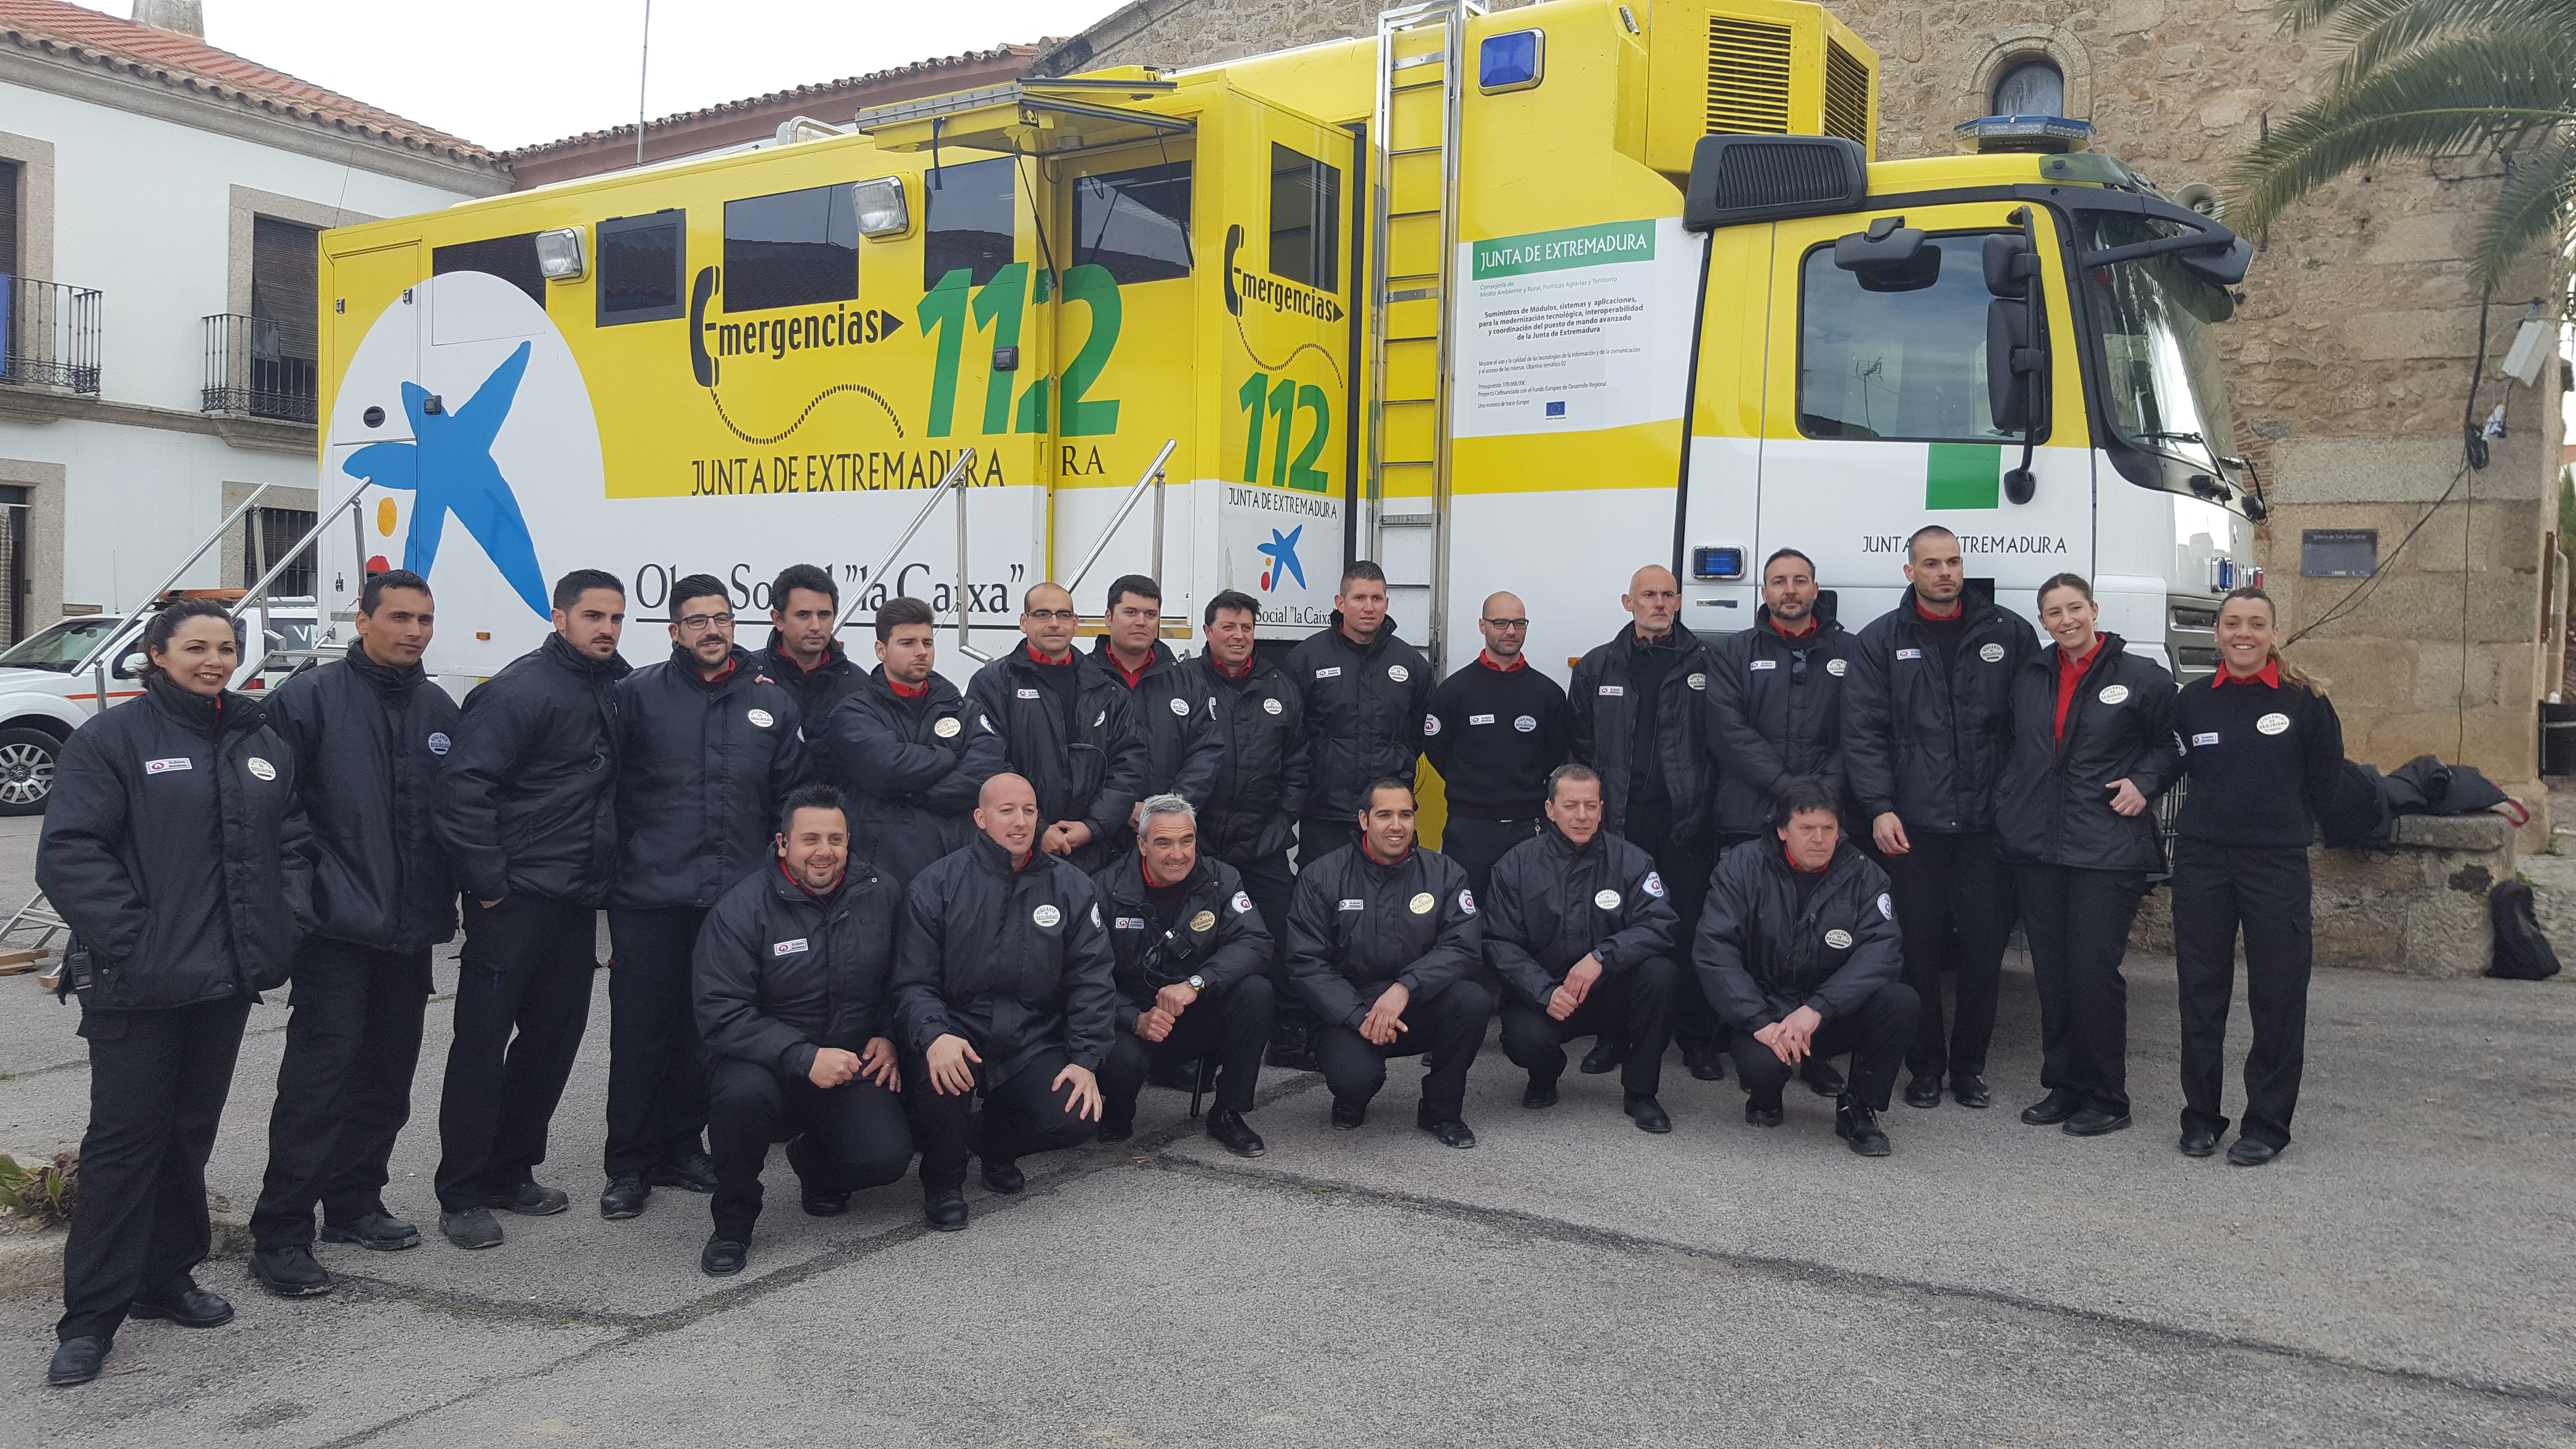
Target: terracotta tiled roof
column 75, row 33
column 818, row 95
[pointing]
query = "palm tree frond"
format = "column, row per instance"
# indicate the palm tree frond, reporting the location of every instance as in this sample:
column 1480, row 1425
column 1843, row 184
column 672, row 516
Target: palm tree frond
column 2376, row 32
column 2536, row 207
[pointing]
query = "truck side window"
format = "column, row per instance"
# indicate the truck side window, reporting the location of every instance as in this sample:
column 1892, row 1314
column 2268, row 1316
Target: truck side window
column 791, row 249
column 511, row 258
column 1882, row 364
column 1305, row 217
column 1134, row 223
column 640, row 261
column 969, row 223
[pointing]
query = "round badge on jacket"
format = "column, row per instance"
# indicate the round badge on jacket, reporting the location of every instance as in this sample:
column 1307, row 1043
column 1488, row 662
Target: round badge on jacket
column 1525, row 724
column 1180, row 706
column 2115, row 694
column 1607, row 900
column 1241, row 903
column 1697, row 681
column 1271, row 705
column 1203, row 921
column 1992, row 653
column 1835, row 667
column 266, row 771
column 1423, row 903
column 1046, row 915
column 1838, row 938
column 1398, row 673
column 438, row 742
column 761, row 718
column 2270, row 724
column 947, row 727
column 1431, row 724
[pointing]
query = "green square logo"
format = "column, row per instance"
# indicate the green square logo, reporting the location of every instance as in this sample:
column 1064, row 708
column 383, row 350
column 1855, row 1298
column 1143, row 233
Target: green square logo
column 1963, row 475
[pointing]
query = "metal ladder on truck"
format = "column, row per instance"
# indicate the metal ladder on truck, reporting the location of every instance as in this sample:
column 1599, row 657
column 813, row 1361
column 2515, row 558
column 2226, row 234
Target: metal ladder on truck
column 1413, row 203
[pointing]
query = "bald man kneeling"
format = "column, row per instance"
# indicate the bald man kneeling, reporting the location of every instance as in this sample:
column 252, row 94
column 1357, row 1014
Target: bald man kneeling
column 1003, row 984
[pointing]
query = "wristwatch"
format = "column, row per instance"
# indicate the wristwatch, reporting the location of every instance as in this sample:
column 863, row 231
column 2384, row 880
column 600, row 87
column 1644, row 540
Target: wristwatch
column 1196, row 983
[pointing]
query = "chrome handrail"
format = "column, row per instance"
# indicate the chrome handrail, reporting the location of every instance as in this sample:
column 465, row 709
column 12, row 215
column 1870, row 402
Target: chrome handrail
column 1153, row 475
column 109, row 640
column 954, row 479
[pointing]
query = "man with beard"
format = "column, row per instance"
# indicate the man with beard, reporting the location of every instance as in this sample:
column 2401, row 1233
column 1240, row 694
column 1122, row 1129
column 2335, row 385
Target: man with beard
column 1068, row 727
column 804, row 652
column 1181, row 747
column 907, row 750
column 1367, row 693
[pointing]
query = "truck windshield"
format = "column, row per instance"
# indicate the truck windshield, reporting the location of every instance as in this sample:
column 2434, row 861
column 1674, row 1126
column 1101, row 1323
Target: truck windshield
column 61, row 647
column 2155, row 326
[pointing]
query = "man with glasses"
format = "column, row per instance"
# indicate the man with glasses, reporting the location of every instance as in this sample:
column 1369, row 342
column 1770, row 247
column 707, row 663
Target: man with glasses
column 1068, row 727
column 710, row 749
column 1497, row 727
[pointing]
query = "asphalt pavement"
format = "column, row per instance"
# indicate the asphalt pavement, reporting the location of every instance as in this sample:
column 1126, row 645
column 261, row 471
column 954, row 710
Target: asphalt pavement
column 2401, row 1276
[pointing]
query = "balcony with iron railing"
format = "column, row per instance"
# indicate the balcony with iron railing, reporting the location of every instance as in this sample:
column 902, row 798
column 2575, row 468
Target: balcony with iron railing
column 49, row 335
column 249, row 374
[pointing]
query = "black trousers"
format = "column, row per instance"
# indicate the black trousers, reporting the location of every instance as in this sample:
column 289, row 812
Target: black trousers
column 847, row 1138
column 1477, row 844
column 1023, row 1113
column 1317, row 838
column 157, row 1083
column 1635, row 1006
column 522, row 1003
column 2218, row 891
column 1450, row 1026
column 2078, row 924
column 657, row 1073
column 1685, row 865
column 1944, row 876
column 1272, row 885
column 343, row 1088
column 1876, row 1035
column 1233, row 1025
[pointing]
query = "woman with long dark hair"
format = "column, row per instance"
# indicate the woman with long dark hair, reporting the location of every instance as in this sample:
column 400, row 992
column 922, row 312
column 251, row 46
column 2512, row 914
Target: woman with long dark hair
column 174, row 847
column 2092, row 748
column 2263, row 749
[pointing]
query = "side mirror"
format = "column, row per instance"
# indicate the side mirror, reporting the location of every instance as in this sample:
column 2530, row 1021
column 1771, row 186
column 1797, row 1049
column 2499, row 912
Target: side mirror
column 2010, row 362
column 2220, row 269
column 131, row 666
column 2016, row 343
column 1889, row 257
column 2009, row 265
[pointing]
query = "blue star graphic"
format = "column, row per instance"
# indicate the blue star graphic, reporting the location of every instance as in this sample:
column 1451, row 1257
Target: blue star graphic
column 449, row 469
column 1283, row 556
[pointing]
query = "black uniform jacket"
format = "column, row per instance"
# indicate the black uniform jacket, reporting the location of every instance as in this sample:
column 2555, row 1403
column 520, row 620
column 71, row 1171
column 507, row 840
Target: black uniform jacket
column 1761, row 958
column 1770, row 722
column 1216, row 935
column 176, row 849
column 1553, row 902
column 819, row 691
column 1364, row 711
column 1926, row 741
column 2053, row 806
column 1014, row 961
column 1605, row 728
column 1095, row 777
column 780, row 972
column 909, row 769
column 1356, row 927
column 701, row 771
column 1262, row 765
column 528, row 801
column 369, row 741
column 1181, row 742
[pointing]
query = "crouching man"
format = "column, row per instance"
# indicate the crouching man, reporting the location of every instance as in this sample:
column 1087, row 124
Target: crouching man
column 1193, row 957
column 1003, row 984
column 1799, row 952
column 790, row 975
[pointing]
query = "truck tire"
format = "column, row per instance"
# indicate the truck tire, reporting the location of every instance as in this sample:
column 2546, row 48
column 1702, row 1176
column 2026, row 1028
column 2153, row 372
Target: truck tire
column 26, row 770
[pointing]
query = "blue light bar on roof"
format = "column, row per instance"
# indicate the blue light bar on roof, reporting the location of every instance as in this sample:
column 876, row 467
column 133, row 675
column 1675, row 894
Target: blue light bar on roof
column 1511, row 62
column 2044, row 135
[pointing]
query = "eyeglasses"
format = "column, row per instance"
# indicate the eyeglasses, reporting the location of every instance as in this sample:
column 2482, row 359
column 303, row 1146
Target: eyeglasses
column 1508, row 624
column 706, row 621
column 1059, row 616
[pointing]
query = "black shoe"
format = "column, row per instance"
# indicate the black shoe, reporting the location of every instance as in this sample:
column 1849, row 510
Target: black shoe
column 1648, row 1113
column 1004, row 1177
column 694, row 1172
column 624, row 1197
column 77, row 1360
column 2247, row 1152
column 1971, row 1091
column 1758, row 1115
column 1706, row 1066
column 1923, row 1092
column 2093, row 1122
column 723, row 1257
column 822, row 1204
column 2052, row 1109
column 472, row 1228
column 1116, row 1131
column 2198, row 1142
column 946, row 1211
column 529, row 1200
column 1820, row 1077
column 190, row 1307
column 1858, row 1126
column 1606, row 1055
column 1452, row 1133
column 1226, row 1128
column 1538, row 1093
column 289, row 1272
column 380, row 1231
column 1349, row 1115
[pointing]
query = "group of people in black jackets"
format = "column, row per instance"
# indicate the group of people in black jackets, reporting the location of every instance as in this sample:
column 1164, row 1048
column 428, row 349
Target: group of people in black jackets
column 847, row 907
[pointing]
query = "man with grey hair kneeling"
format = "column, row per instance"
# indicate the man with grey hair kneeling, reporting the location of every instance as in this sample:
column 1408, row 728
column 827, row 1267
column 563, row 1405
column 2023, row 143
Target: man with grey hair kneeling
column 1193, row 957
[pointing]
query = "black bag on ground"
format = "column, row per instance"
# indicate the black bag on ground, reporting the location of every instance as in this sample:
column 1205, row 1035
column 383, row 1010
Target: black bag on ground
column 2358, row 817
column 2521, row 952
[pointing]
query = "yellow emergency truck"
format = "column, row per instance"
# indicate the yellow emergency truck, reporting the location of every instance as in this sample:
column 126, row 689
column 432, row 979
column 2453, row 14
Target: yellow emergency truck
column 1519, row 300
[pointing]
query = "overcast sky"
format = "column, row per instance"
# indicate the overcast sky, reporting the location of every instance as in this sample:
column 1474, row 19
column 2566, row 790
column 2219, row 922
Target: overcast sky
column 516, row 72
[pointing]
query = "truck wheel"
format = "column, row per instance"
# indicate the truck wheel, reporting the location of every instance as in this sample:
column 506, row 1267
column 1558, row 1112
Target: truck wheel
column 26, row 770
